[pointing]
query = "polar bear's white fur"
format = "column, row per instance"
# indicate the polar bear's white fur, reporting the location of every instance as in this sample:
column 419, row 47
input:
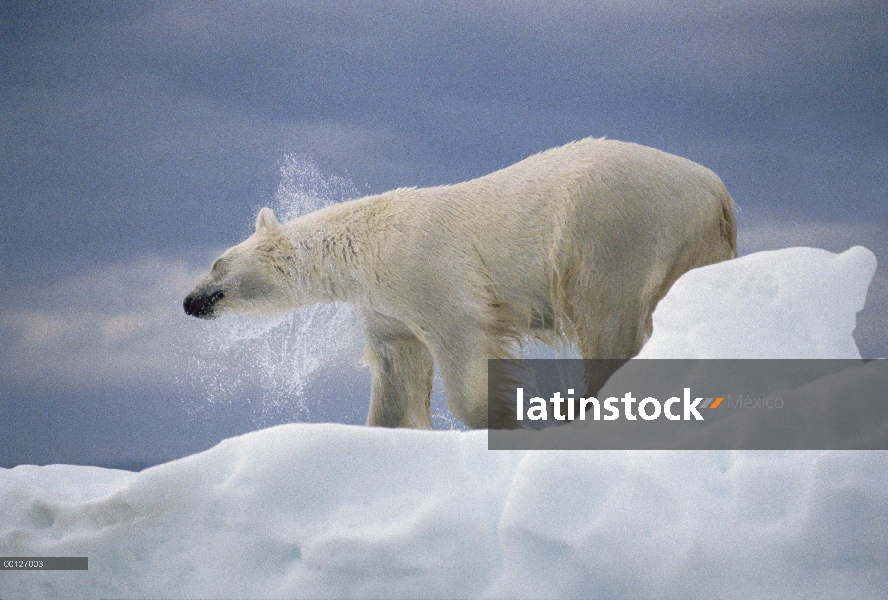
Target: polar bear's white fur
column 573, row 245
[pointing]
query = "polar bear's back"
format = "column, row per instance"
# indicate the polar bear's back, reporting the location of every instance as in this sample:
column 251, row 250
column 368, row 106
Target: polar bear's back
column 594, row 229
column 591, row 181
column 614, row 205
column 598, row 176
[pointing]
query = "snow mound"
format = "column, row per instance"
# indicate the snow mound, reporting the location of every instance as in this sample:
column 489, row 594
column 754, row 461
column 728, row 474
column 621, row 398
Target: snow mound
column 291, row 511
column 321, row 511
column 792, row 303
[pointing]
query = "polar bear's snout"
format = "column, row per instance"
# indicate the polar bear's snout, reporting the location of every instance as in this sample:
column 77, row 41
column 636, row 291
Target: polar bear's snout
column 201, row 305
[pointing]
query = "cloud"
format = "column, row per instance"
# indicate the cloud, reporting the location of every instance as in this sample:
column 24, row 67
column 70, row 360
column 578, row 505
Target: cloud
column 123, row 326
column 128, row 167
column 104, row 367
column 728, row 44
column 114, row 325
column 140, row 113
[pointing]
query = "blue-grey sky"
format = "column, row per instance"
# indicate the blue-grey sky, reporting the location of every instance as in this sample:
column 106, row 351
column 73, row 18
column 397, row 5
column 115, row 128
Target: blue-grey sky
column 141, row 138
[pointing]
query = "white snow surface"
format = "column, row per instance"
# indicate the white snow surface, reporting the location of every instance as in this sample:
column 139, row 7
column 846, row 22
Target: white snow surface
column 791, row 303
column 335, row 511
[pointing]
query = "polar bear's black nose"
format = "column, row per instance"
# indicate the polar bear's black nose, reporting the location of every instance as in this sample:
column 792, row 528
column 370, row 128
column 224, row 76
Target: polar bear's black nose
column 201, row 305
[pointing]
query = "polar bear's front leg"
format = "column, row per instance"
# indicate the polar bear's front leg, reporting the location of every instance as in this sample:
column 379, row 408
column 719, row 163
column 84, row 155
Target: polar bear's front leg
column 461, row 356
column 401, row 368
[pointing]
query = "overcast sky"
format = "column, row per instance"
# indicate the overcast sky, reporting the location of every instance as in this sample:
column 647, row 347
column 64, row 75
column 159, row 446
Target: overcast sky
column 139, row 139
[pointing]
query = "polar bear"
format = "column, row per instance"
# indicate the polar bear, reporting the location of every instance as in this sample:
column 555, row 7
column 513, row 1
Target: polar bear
column 574, row 245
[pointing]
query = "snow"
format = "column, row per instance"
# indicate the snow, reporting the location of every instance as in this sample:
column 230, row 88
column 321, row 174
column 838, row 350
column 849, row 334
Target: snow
column 792, row 303
column 322, row 511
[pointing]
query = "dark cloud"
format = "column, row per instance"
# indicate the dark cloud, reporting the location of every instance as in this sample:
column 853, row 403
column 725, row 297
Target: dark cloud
column 145, row 126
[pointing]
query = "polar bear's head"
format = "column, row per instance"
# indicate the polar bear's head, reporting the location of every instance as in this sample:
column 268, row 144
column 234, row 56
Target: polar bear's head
column 249, row 277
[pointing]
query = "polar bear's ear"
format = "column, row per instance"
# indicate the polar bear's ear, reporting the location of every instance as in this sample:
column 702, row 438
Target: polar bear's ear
column 266, row 220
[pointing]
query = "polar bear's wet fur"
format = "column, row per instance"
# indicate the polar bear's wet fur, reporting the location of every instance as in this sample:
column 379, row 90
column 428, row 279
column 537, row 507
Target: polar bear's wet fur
column 572, row 246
